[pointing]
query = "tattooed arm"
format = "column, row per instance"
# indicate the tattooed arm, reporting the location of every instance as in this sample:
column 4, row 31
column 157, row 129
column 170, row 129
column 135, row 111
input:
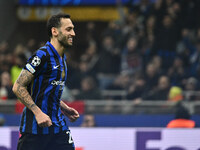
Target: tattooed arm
column 20, row 90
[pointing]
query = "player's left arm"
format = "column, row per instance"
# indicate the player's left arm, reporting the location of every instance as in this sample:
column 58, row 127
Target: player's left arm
column 70, row 112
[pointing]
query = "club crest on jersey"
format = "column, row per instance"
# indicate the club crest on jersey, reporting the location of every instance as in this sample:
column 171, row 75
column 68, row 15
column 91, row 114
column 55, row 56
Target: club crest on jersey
column 36, row 61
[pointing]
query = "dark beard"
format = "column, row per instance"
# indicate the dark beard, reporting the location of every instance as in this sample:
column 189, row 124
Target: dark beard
column 64, row 44
column 63, row 41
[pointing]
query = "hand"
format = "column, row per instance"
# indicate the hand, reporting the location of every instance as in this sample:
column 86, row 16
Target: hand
column 43, row 120
column 71, row 113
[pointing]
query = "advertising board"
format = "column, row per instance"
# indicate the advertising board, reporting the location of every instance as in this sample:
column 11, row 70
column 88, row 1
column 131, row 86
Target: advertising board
column 120, row 138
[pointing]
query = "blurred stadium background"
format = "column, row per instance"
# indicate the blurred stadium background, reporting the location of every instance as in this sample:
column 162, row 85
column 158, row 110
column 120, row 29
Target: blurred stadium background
column 131, row 63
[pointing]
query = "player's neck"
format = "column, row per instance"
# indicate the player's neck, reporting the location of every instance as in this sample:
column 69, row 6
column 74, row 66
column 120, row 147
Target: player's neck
column 58, row 47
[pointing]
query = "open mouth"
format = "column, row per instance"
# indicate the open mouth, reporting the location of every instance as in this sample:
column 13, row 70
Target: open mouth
column 70, row 40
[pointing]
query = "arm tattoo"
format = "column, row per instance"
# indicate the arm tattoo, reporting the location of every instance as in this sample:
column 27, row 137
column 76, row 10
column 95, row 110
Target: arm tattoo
column 32, row 105
column 25, row 78
column 22, row 82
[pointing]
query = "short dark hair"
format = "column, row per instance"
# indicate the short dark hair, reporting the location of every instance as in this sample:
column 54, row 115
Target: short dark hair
column 54, row 21
column 181, row 111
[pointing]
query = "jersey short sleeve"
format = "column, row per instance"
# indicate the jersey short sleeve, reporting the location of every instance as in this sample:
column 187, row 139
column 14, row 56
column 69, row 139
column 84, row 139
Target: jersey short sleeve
column 36, row 62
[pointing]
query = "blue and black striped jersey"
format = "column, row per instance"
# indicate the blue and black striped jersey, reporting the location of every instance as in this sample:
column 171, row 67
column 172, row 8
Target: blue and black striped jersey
column 50, row 74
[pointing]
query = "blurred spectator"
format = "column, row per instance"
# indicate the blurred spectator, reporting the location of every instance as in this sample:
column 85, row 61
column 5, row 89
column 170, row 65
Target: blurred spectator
column 175, row 12
column 114, row 30
column 89, row 90
column 91, row 56
column 121, row 82
column 143, row 7
column 151, row 76
column 190, row 86
column 5, row 57
column 4, row 47
column 161, row 92
column 31, row 47
column 5, row 66
column 189, row 49
column 182, row 118
column 109, row 62
column 74, row 72
column 88, row 121
column 190, row 13
column 165, row 40
column 6, row 87
column 175, row 94
column 131, row 61
column 176, row 72
column 20, row 61
column 147, row 40
column 78, row 74
column 158, row 10
column 136, row 89
column 195, row 58
column 87, row 65
column 19, row 49
column 156, row 61
column 91, row 34
column 150, row 25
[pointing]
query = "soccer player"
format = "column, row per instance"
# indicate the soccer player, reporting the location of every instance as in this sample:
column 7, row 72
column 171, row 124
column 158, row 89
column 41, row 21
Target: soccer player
column 39, row 88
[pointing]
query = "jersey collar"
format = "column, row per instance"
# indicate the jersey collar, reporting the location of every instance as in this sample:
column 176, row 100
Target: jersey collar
column 53, row 48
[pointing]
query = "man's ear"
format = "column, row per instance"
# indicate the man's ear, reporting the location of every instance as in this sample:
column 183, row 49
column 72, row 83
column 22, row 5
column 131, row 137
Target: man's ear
column 54, row 31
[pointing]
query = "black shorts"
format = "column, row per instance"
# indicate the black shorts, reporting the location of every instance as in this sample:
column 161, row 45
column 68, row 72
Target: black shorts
column 60, row 141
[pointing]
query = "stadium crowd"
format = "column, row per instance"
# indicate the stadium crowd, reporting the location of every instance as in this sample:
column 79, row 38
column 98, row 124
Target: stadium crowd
column 152, row 52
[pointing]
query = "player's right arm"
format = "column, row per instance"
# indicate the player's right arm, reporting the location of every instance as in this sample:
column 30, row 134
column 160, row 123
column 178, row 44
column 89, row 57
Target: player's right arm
column 20, row 90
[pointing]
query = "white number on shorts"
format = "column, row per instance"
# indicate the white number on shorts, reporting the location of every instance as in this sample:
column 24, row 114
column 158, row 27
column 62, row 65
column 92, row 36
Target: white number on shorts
column 70, row 137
